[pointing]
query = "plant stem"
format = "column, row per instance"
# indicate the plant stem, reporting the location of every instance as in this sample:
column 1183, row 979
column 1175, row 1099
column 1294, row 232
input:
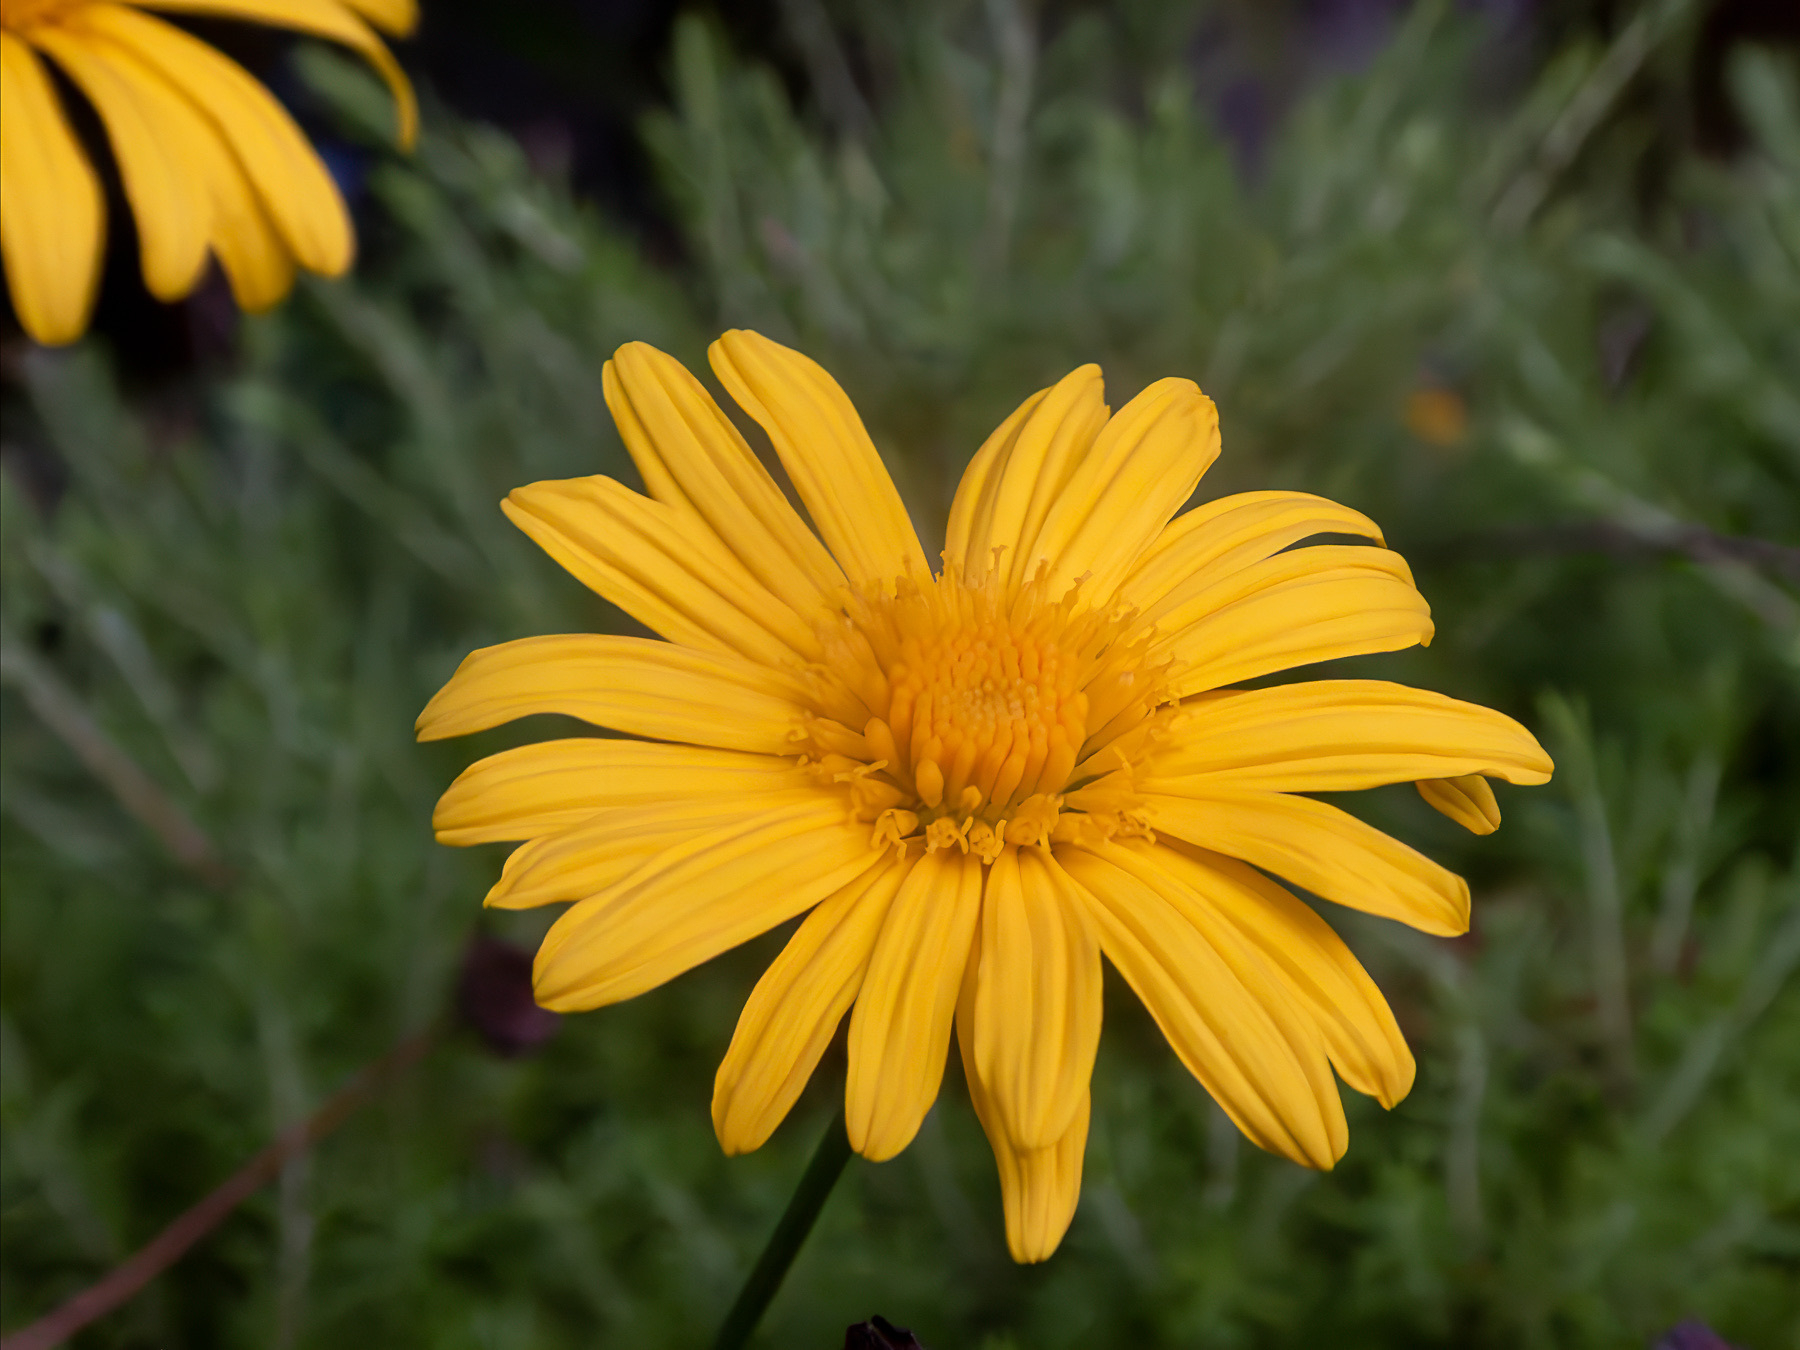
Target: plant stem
column 784, row 1243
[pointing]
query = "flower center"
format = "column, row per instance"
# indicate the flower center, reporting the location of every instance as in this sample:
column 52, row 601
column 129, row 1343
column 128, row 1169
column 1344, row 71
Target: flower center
column 18, row 15
column 965, row 714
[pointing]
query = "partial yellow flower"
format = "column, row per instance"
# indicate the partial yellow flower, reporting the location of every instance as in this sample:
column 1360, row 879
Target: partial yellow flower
column 977, row 781
column 210, row 162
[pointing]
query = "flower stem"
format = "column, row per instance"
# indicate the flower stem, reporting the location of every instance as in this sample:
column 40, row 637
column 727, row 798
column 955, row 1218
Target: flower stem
column 784, row 1243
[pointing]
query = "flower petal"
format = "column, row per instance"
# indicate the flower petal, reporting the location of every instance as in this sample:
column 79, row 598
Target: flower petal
column 613, row 842
column 52, row 214
column 1298, row 951
column 635, row 685
column 827, row 453
column 795, row 1009
column 288, row 176
column 1035, row 1023
column 900, row 1031
column 693, row 460
column 647, row 559
column 1338, row 736
column 326, row 19
column 1019, row 473
column 1327, row 851
column 1231, row 533
column 1144, row 464
column 398, row 17
column 539, row 789
column 1467, row 799
column 1264, row 1066
column 699, row 898
column 1039, row 1188
column 149, row 126
column 1311, row 604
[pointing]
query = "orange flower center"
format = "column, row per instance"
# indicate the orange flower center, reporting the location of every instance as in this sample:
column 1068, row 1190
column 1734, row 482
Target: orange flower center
column 962, row 715
column 18, row 15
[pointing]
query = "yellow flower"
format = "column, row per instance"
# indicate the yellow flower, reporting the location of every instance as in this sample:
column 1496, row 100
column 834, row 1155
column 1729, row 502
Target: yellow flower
column 209, row 160
column 979, row 781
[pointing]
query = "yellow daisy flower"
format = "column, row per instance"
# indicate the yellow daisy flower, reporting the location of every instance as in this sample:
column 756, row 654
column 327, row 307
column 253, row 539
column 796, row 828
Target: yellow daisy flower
column 210, row 162
column 978, row 781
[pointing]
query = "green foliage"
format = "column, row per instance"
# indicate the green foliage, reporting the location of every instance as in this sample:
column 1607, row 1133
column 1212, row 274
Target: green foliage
column 221, row 894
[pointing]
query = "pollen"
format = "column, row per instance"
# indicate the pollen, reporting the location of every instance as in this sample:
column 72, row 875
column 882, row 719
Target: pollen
column 970, row 711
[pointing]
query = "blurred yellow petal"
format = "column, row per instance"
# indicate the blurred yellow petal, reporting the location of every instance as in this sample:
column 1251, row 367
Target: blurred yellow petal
column 796, row 1007
column 150, row 127
column 1338, row 736
column 288, row 176
column 697, row 899
column 51, row 211
column 1017, row 476
column 1327, row 851
column 398, row 17
column 326, row 19
column 539, row 789
column 1261, row 1063
column 900, row 1031
column 827, row 453
column 1144, row 464
column 647, row 559
column 1035, row 1023
column 1228, row 534
column 1467, row 799
column 633, row 685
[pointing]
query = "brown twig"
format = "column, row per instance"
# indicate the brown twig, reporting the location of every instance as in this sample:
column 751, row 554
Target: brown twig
column 142, row 797
column 168, row 1246
column 1693, row 542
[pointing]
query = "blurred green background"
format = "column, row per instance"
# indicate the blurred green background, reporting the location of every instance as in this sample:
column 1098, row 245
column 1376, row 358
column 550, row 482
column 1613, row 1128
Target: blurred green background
column 1522, row 282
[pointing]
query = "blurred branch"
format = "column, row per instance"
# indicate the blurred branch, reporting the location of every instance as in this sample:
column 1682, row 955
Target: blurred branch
column 170, row 1245
column 59, row 709
column 1696, row 543
column 1780, row 954
column 1586, row 109
column 836, row 87
column 1017, row 43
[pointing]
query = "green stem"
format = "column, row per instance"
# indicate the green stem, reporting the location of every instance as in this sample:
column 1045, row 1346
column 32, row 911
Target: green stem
column 784, row 1243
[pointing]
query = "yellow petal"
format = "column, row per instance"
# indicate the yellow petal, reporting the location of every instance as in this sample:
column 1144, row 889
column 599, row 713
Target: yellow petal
column 693, row 460
column 1297, row 951
column 1039, row 1188
column 1327, row 851
column 1263, row 1065
column 1467, row 799
column 634, row 685
column 647, row 559
column 827, row 453
column 326, row 19
column 398, row 17
column 1338, row 736
column 900, row 1031
column 51, row 211
column 289, row 178
column 1231, row 533
column 1036, row 1015
column 149, row 126
column 610, row 844
column 1313, row 604
column 697, row 899
column 539, row 789
column 1020, row 472
column 795, row 1009
column 1144, row 464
